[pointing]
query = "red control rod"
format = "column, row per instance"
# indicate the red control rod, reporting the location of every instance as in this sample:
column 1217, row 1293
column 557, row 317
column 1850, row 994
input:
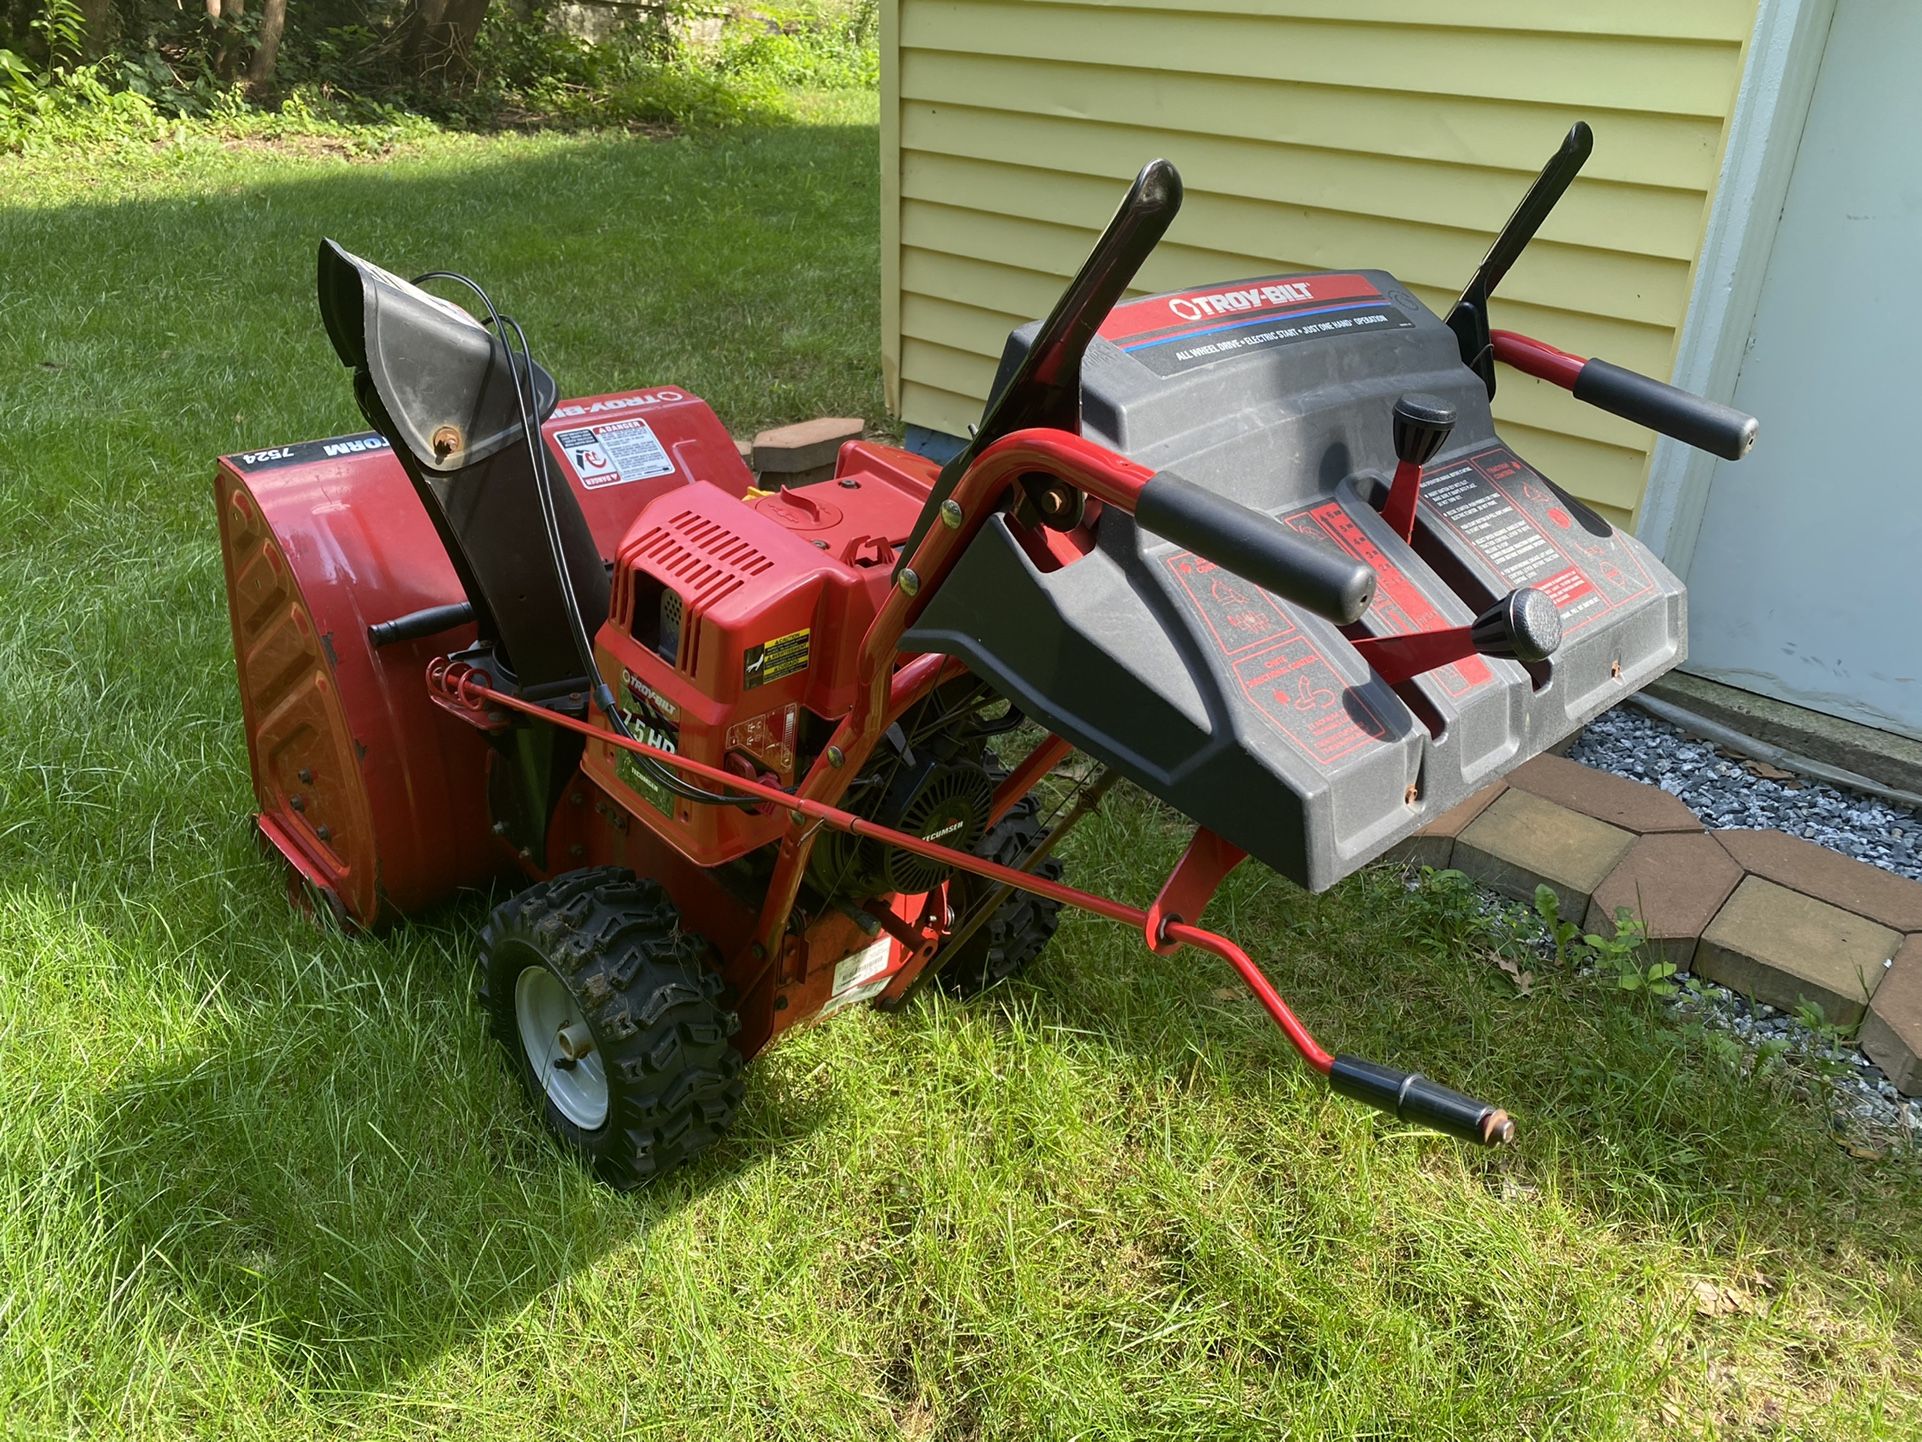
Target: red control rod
column 1406, row 1095
column 469, row 688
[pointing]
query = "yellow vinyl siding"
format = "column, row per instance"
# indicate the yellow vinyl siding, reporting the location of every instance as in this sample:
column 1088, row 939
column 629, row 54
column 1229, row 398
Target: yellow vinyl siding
column 1312, row 135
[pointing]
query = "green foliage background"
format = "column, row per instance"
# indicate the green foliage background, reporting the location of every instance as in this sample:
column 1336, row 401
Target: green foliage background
column 149, row 68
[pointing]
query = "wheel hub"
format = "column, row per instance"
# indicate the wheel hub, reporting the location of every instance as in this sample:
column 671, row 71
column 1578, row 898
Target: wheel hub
column 560, row 1048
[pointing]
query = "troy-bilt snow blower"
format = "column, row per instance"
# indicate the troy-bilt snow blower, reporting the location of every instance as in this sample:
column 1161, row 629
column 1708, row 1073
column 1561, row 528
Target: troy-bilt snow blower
column 1255, row 547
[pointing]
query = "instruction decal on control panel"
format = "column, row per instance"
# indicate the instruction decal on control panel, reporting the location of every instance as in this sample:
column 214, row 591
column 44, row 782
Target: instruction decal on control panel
column 614, row 453
column 1400, row 607
column 1533, row 535
column 1280, row 669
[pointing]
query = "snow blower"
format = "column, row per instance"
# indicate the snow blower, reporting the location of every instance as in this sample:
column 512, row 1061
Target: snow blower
column 755, row 757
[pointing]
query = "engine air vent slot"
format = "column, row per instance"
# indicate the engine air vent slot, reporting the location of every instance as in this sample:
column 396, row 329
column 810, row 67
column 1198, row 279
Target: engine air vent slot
column 680, row 570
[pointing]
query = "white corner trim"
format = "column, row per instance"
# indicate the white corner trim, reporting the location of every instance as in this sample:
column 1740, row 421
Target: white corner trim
column 1765, row 131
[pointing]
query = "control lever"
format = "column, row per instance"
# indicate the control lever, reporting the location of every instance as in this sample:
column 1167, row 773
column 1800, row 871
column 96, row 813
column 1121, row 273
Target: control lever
column 1422, row 427
column 1525, row 625
column 1045, row 387
column 1255, row 547
column 1469, row 318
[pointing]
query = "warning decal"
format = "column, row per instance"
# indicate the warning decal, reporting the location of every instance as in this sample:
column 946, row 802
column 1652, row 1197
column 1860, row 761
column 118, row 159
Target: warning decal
column 1525, row 529
column 613, row 453
column 1282, row 672
column 1400, row 607
column 771, row 660
column 1173, row 333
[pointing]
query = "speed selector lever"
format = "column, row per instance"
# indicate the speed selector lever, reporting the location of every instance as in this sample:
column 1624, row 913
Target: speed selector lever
column 1524, row 625
column 1422, row 427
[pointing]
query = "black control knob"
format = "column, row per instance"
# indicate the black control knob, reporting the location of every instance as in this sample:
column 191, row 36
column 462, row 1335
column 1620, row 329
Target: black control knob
column 1524, row 625
column 1422, row 424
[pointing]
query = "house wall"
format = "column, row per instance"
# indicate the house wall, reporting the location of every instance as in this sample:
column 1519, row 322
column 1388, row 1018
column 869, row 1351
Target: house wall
column 1311, row 134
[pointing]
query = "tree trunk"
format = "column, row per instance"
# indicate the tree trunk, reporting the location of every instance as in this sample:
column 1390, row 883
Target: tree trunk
column 443, row 42
column 97, row 16
column 226, row 51
column 423, row 20
column 273, row 22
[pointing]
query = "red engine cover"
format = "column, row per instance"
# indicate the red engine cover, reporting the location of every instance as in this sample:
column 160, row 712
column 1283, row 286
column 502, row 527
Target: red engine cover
column 732, row 622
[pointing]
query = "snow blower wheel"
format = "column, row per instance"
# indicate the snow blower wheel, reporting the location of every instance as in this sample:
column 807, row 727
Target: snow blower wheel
column 613, row 1021
column 1021, row 924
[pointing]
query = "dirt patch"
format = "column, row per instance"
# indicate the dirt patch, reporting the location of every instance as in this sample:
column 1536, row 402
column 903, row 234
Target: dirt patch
column 312, row 147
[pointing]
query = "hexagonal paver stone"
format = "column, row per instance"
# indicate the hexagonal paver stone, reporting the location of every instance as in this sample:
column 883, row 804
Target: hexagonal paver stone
column 1631, row 805
column 1522, row 840
column 1892, row 1031
column 1674, row 885
column 1881, row 896
column 1784, row 948
column 1434, row 844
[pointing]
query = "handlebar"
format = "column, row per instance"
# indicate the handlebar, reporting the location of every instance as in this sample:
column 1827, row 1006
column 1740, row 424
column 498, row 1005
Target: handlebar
column 1255, row 547
column 1412, row 1097
column 1707, row 425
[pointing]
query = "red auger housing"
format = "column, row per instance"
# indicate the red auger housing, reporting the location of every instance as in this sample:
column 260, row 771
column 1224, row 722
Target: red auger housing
column 1255, row 547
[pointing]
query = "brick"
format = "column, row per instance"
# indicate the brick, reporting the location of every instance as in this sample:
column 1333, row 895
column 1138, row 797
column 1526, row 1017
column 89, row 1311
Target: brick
column 746, row 451
column 1631, row 805
column 1522, row 840
column 1881, row 896
column 1434, row 844
column 1784, row 948
column 805, row 446
column 1673, row 884
column 1892, row 1032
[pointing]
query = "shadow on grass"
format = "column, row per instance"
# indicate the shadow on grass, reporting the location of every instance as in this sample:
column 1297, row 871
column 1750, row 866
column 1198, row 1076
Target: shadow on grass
column 316, row 1144
column 1623, row 1108
column 341, row 1168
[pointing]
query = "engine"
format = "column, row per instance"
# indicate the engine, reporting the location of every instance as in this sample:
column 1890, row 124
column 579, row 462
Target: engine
column 940, row 791
column 732, row 639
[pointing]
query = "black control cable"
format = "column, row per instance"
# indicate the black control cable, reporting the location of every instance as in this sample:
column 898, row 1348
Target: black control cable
column 520, row 369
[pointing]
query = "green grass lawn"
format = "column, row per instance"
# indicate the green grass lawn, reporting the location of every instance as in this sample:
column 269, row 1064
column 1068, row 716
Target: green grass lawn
column 260, row 1180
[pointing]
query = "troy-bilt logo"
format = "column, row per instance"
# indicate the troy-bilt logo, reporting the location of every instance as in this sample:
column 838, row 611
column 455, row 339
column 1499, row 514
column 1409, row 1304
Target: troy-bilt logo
column 621, row 403
column 1233, row 302
column 1155, row 319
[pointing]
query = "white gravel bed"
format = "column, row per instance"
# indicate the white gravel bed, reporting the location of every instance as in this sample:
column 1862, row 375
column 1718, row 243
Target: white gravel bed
column 1733, row 793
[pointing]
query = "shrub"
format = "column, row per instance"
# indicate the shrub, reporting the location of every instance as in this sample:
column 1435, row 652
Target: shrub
column 344, row 65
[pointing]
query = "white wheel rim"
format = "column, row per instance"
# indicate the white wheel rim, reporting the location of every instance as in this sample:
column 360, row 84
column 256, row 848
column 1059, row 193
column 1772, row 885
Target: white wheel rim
column 544, row 1009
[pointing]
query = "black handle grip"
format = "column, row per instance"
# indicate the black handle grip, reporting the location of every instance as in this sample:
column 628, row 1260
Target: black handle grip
column 1707, row 425
column 1414, row 1098
column 428, row 622
column 1525, row 625
column 1256, row 548
column 1422, row 426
